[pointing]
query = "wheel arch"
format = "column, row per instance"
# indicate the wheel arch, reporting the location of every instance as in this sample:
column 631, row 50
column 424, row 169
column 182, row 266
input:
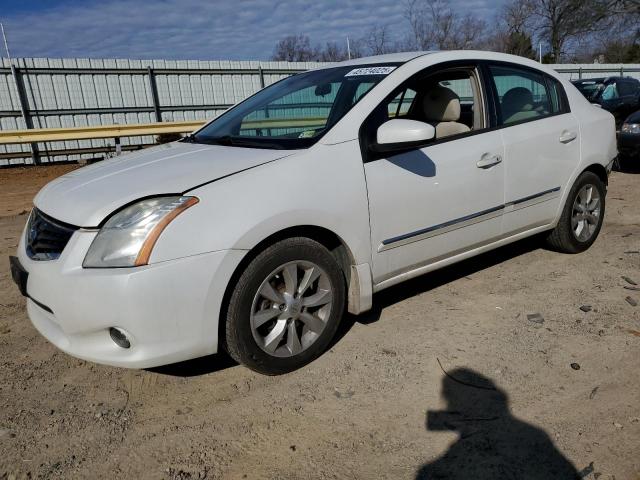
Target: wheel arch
column 329, row 239
column 598, row 170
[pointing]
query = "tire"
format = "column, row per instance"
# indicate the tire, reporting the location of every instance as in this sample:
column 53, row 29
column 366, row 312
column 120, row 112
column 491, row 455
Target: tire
column 264, row 291
column 564, row 238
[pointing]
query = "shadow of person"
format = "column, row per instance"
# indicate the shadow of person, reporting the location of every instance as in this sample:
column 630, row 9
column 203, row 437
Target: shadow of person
column 492, row 444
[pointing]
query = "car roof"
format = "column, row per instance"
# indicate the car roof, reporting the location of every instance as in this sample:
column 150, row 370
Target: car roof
column 400, row 57
column 604, row 79
column 443, row 55
column 405, row 57
column 589, row 80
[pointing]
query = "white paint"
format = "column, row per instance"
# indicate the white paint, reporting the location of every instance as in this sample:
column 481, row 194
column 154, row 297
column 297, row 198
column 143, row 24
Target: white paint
column 171, row 307
column 401, row 130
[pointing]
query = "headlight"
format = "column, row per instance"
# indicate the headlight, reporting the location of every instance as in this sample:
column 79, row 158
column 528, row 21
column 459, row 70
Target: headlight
column 631, row 128
column 127, row 238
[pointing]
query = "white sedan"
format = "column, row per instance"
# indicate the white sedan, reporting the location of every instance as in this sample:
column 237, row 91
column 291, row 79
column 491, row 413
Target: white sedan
column 256, row 233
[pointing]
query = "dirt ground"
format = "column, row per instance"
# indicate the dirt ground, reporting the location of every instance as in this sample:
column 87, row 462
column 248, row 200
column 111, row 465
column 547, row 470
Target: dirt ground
column 371, row 406
column 19, row 185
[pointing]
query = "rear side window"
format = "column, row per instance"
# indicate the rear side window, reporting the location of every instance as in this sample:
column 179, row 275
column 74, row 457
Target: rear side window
column 524, row 95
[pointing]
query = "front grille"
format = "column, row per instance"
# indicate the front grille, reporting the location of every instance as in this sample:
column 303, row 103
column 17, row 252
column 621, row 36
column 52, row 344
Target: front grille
column 46, row 237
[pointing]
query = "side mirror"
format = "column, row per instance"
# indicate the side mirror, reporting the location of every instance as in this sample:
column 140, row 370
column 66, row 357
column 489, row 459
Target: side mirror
column 402, row 134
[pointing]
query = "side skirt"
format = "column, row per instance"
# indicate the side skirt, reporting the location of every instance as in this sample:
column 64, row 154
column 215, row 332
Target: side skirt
column 458, row 256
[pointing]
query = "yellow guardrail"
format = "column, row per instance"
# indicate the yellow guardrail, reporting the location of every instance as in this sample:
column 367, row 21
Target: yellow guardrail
column 116, row 131
column 102, row 131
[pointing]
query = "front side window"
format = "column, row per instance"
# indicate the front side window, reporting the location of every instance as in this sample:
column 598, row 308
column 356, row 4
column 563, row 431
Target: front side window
column 523, row 95
column 295, row 112
column 448, row 100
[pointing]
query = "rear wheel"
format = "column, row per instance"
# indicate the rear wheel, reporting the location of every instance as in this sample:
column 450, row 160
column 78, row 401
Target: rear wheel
column 582, row 216
column 286, row 307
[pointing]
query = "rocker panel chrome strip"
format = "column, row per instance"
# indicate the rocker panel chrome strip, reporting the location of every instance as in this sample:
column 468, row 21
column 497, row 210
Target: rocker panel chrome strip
column 467, row 220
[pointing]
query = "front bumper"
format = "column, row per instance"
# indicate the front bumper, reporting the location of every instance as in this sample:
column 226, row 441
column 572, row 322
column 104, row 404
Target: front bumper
column 169, row 309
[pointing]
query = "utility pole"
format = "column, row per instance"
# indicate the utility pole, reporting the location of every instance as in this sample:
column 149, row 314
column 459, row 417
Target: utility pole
column 6, row 44
column 22, row 98
column 348, row 49
column 540, row 45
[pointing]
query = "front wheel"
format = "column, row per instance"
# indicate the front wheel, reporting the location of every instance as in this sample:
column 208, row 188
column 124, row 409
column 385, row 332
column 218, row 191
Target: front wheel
column 582, row 216
column 285, row 307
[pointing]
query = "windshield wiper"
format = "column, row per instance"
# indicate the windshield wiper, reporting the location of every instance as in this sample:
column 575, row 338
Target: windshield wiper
column 224, row 140
column 230, row 141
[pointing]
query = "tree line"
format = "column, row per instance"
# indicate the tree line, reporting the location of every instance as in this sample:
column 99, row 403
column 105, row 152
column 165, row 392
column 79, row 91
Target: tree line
column 582, row 31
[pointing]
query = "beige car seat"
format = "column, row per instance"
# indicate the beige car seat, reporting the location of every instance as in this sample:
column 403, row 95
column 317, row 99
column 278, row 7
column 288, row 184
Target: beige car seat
column 517, row 105
column 441, row 108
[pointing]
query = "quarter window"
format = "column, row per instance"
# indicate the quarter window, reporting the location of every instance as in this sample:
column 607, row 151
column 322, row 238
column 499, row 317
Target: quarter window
column 399, row 106
column 524, row 95
column 556, row 99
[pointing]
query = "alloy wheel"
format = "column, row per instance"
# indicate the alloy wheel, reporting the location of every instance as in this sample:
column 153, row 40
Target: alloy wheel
column 291, row 308
column 585, row 215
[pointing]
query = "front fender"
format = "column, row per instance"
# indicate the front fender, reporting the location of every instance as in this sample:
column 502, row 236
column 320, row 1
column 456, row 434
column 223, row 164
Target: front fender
column 323, row 187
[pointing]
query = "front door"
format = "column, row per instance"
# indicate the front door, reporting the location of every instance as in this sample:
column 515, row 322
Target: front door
column 445, row 198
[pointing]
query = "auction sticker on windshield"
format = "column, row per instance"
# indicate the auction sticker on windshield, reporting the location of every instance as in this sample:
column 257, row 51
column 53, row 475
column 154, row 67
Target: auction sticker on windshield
column 370, row 71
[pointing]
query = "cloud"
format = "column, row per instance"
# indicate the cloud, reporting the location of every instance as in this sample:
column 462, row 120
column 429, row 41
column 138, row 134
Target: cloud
column 199, row 29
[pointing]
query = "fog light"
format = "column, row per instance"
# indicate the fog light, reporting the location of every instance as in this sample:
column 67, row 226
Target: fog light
column 119, row 337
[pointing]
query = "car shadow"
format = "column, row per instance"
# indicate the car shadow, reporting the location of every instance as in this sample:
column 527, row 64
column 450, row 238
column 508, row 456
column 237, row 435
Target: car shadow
column 221, row 361
column 440, row 277
column 416, row 162
column 491, row 442
column 197, row 366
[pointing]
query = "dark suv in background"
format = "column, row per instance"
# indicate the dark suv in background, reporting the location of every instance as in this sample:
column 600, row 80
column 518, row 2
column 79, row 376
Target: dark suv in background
column 618, row 95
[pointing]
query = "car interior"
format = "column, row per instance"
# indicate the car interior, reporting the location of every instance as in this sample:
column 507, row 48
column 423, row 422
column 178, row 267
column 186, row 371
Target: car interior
column 448, row 100
column 523, row 95
column 451, row 100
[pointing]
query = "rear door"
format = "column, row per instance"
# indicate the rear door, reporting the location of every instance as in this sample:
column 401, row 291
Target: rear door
column 542, row 143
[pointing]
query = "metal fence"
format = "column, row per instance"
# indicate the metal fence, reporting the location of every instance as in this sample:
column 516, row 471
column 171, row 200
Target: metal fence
column 50, row 93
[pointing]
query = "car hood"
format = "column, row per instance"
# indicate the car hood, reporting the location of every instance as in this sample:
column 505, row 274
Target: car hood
column 84, row 197
column 633, row 118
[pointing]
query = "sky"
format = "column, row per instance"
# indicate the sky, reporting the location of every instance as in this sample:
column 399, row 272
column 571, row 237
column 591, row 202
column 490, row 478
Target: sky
column 194, row 29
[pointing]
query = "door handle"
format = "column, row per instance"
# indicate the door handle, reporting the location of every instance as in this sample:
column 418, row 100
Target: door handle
column 567, row 137
column 488, row 161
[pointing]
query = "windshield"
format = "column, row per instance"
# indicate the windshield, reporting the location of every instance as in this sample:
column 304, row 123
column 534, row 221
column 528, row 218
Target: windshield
column 590, row 88
column 294, row 112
